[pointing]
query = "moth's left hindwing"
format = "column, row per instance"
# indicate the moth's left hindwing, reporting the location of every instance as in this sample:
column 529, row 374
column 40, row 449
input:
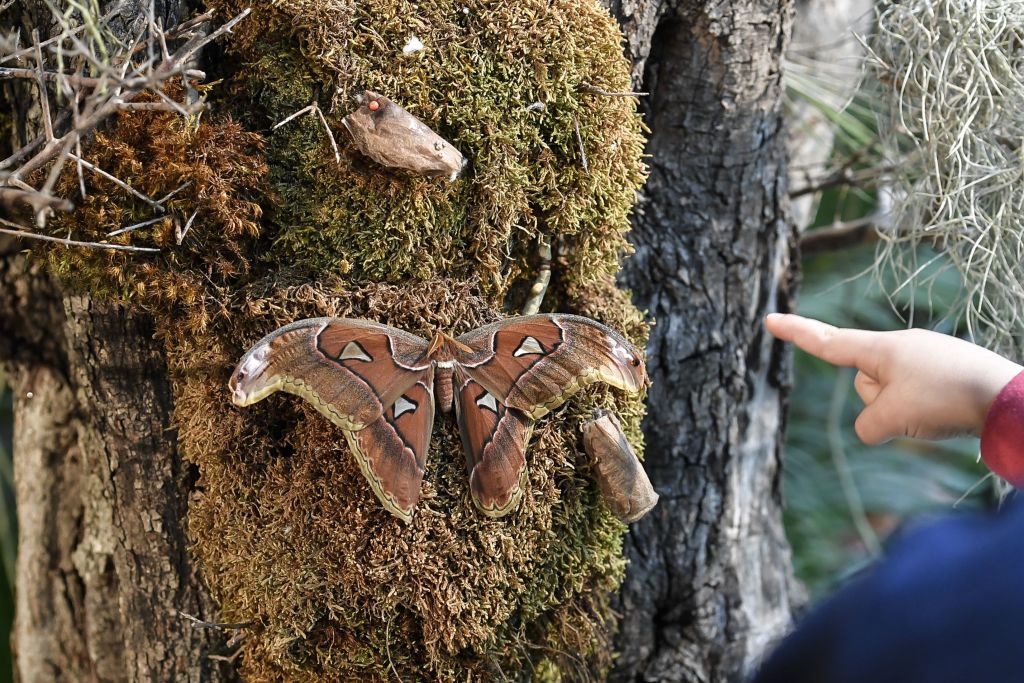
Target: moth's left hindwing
column 535, row 363
column 494, row 438
column 392, row 451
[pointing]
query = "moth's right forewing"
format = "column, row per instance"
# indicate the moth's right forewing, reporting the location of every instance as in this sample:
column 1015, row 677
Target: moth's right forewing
column 349, row 370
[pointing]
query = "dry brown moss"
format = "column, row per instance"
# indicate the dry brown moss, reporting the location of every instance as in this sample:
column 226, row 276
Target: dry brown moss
column 288, row 533
column 340, row 581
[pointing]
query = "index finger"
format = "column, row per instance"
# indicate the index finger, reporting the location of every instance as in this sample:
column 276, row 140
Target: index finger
column 837, row 345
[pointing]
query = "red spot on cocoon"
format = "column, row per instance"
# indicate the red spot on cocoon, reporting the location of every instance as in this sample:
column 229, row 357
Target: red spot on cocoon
column 374, row 105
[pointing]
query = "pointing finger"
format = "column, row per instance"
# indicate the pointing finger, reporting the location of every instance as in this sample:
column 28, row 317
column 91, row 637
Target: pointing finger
column 839, row 346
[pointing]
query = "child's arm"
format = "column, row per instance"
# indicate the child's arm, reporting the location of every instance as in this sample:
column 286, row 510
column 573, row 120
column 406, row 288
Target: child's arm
column 921, row 384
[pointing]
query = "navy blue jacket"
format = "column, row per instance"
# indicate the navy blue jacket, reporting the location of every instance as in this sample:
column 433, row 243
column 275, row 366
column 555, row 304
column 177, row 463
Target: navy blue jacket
column 945, row 606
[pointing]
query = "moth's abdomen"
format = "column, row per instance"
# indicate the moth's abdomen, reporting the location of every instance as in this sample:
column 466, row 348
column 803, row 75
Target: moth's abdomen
column 443, row 392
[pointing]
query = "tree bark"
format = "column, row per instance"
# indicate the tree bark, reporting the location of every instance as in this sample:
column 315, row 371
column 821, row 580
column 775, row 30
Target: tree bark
column 102, row 492
column 103, row 567
column 709, row 584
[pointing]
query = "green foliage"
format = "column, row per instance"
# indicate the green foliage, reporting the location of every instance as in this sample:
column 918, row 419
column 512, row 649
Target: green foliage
column 843, row 497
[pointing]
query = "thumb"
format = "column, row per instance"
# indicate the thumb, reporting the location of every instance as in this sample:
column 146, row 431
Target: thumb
column 876, row 423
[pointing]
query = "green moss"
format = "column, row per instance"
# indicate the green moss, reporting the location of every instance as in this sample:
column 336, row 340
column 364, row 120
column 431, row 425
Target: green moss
column 287, row 532
column 484, row 64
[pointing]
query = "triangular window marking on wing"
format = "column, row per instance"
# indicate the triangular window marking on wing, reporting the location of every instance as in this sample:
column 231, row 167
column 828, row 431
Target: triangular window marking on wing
column 353, row 351
column 404, row 405
column 527, row 346
column 489, row 402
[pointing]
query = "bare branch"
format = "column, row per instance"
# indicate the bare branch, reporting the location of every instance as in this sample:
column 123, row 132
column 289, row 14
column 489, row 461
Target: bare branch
column 314, row 108
column 31, row 147
column 839, row 236
column 169, row 195
column 34, row 199
column 179, row 233
column 24, row 232
column 44, row 96
column 199, row 623
column 7, row 72
column 112, row 87
column 330, row 135
column 136, row 226
column 117, row 181
column 304, row 110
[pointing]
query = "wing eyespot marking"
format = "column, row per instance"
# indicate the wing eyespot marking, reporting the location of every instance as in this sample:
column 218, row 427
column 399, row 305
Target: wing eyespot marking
column 354, row 351
column 488, row 401
column 528, row 346
column 404, row 405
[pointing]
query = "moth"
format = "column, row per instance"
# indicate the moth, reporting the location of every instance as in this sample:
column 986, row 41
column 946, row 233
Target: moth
column 381, row 385
column 393, row 137
column 623, row 482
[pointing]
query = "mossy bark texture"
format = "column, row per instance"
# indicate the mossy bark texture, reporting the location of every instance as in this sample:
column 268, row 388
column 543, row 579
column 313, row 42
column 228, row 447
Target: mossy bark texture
column 119, row 363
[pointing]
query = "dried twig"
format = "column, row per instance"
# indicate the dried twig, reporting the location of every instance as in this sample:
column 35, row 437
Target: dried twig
column 179, row 232
column 291, row 117
column 44, row 97
column 199, row 623
column 540, row 285
column 117, row 181
column 136, row 226
column 169, row 195
column 115, row 80
column 839, row 236
column 314, row 108
column 330, row 135
column 22, row 231
column 34, row 199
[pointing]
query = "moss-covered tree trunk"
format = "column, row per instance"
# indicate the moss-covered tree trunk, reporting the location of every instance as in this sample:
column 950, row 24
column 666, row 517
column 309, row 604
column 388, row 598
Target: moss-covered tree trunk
column 111, row 497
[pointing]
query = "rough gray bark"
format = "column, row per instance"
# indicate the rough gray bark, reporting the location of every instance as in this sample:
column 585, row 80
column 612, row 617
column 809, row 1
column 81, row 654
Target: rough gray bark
column 710, row 585
column 103, row 566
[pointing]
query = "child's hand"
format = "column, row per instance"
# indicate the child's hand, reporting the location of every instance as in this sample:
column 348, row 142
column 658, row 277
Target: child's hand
column 913, row 382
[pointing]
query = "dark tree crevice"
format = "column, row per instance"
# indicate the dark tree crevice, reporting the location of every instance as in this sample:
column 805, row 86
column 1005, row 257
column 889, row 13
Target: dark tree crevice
column 710, row 585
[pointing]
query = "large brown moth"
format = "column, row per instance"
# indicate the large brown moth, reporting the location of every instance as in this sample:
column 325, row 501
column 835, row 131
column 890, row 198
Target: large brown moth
column 380, row 385
column 623, row 482
column 393, row 137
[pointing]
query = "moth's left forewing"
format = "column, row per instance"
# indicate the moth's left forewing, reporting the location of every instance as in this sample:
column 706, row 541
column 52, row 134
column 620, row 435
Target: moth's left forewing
column 535, row 363
column 392, row 451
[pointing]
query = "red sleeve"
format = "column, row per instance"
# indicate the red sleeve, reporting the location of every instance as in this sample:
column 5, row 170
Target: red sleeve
column 1002, row 437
